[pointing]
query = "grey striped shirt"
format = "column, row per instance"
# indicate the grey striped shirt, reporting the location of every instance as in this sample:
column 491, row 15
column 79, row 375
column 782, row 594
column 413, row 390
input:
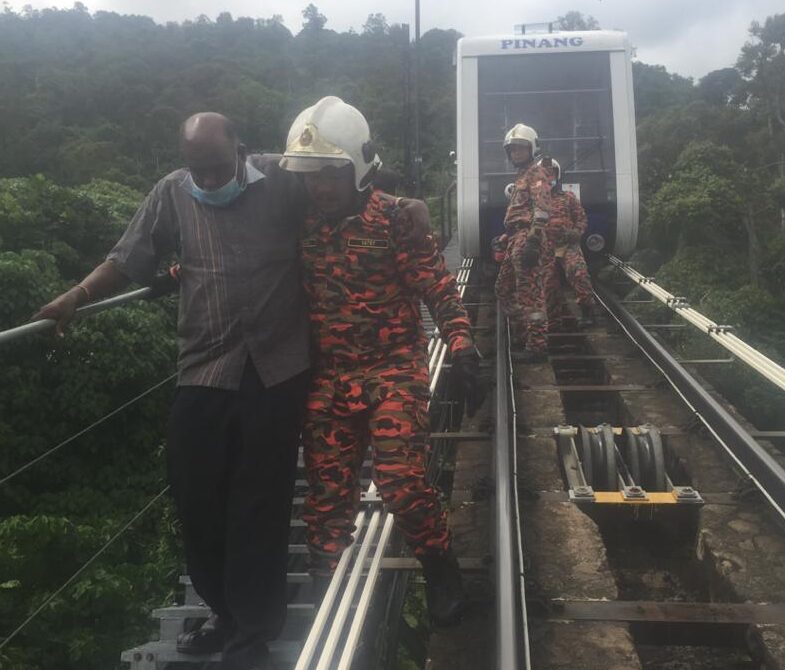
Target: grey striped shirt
column 240, row 292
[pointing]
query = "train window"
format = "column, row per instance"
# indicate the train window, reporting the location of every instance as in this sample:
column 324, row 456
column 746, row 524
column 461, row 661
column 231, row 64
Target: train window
column 567, row 99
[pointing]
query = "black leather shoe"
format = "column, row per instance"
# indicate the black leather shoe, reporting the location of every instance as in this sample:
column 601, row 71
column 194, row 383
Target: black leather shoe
column 209, row 638
column 443, row 588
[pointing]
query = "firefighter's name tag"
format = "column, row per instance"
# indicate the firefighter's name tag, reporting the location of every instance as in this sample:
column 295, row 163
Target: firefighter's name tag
column 367, row 243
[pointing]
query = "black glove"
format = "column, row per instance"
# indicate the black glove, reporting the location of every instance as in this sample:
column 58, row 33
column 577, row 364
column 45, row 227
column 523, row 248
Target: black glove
column 499, row 246
column 531, row 253
column 165, row 282
column 466, row 371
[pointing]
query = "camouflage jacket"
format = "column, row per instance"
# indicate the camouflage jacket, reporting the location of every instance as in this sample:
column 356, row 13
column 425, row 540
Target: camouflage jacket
column 566, row 214
column 365, row 277
column 532, row 191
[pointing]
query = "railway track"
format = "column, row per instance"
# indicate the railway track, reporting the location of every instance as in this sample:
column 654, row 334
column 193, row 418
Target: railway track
column 649, row 516
column 631, row 520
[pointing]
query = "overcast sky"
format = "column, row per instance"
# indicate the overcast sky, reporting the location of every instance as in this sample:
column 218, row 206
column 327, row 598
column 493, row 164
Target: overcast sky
column 691, row 37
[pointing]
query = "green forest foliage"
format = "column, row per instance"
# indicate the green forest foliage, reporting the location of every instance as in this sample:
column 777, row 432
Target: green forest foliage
column 712, row 181
column 90, row 106
column 88, row 96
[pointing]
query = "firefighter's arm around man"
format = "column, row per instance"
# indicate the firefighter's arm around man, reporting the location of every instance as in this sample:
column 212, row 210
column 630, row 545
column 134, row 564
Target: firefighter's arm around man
column 424, row 272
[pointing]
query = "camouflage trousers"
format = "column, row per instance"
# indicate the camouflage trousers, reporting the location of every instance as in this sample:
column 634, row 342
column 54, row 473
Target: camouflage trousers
column 569, row 266
column 576, row 272
column 384, row 406
column 524, row 293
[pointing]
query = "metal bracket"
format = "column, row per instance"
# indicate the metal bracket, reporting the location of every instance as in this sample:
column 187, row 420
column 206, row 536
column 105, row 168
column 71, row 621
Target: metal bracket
column 633, row 493
column 567, row 431
column 582, row 494
column 143, row 660
column 705, row 361
column 687, row 494
column 677, row 302
column 720, row 329
column 371, row 498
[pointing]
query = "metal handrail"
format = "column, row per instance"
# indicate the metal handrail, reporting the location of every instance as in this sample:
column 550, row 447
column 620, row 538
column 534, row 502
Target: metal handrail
column 365, row 598
column 43, row 325
column 762, row 364
column 506, row 573
column 320, row 621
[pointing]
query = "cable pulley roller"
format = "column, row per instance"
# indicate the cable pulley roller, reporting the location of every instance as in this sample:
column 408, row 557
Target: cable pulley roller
column 645, row 457
column 598, row 457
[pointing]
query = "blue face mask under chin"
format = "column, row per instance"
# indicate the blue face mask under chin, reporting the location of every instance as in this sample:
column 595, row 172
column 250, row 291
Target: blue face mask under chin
column 220, row 197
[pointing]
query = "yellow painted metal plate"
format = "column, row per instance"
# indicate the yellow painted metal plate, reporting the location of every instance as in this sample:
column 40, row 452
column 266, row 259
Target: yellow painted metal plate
column 617, row 498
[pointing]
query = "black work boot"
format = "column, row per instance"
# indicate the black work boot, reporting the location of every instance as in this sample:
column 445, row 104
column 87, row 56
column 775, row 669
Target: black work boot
column 586, row 319
column 443, row 588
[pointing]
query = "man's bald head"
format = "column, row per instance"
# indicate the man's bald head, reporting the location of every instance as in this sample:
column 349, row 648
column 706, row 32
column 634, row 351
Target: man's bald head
column 210, row 147
column 208, row 126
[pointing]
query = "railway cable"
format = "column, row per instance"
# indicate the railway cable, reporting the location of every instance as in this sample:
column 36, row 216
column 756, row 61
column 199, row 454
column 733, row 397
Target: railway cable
column 511, row 619
column 147, row 506
column 7, row 478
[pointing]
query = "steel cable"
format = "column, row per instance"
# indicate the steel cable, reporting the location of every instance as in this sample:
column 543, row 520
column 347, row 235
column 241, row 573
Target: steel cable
column 84, row 567
column 57, row 447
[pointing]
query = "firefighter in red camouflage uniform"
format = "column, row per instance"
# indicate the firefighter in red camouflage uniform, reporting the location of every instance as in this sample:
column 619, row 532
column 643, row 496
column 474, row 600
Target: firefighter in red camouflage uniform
column 524, row 278
column 365, row 273
column 566, row 226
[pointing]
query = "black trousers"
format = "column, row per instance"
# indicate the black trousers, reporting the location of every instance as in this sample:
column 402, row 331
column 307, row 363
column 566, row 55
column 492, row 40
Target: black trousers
column 232, row 460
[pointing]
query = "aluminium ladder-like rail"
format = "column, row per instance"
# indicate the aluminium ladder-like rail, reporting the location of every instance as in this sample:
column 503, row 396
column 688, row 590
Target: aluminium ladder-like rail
column 722, row 334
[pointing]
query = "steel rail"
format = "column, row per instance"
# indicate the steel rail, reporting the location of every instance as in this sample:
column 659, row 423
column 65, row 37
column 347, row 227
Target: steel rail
column 754, row 461
column 42, row 325
column 518, row 510
column 437, row 352
column 759, row 362
column 506, row 573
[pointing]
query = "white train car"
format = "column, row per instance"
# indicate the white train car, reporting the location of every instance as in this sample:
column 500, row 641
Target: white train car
column 575, row 90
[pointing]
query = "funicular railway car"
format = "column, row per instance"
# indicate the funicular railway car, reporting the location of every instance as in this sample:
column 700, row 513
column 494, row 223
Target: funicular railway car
column 575, row 89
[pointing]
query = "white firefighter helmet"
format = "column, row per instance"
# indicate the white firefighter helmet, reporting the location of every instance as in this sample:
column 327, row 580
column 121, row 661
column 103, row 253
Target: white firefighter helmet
column 520, row 134
column 331, row 132
column 550, row 164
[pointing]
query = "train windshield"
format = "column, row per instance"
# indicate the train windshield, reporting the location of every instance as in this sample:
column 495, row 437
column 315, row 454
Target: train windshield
column 567, row 99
